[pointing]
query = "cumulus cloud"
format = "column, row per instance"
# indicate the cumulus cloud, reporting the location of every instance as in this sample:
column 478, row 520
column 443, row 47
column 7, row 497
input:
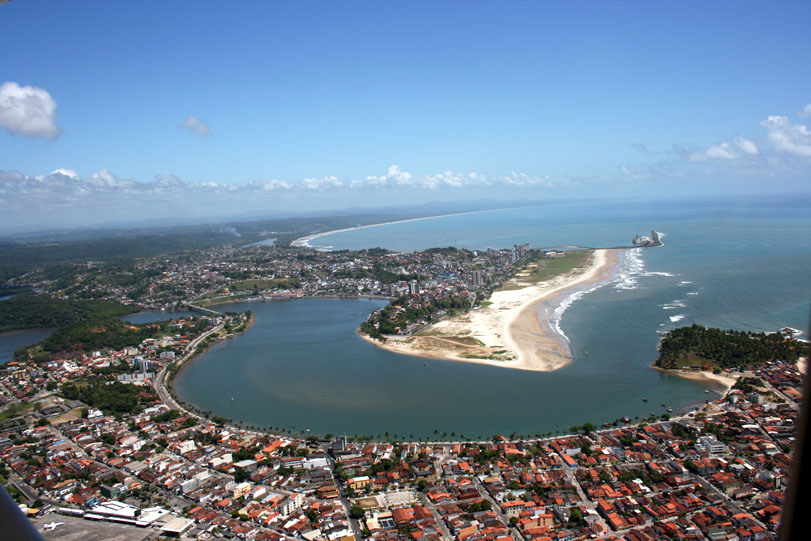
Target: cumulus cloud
column 727, row 150
column 196, row 126
column 786, row 137
column 746, row 146
column 28, row 111
column 65, row 187
column 806, row 110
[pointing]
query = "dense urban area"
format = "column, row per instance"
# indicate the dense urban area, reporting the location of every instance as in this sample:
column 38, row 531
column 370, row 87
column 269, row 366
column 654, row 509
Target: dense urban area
column 92, row 437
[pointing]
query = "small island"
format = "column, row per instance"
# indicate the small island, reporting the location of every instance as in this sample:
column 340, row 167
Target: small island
column 724, row 356
column 698, row 347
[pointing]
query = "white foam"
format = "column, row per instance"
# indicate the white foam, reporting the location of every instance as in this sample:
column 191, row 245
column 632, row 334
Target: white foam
column 674, row 319
column 678, row 303
column 684, row 283
column 557, row 315
column 693, row 293
column 631, row 269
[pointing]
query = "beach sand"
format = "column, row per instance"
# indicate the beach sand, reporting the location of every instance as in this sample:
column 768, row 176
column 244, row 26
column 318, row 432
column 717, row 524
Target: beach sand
column 508, row 333
column 705, row 375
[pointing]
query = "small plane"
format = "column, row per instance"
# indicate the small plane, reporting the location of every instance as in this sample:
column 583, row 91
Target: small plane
column 52, row 525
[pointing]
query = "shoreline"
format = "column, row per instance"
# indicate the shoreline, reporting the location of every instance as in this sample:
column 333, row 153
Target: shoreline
column 373, row 297
column 727, row 382
column 304, row 242
column 197, row 352
column 515, row 328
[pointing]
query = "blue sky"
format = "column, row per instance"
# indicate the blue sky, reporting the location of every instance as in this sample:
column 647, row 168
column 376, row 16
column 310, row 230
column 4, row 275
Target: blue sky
column 134, row 110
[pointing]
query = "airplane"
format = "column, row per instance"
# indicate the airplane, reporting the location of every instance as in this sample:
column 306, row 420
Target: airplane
column 52, row 526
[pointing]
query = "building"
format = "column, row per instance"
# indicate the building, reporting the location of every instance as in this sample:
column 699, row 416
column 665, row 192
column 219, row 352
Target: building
column 711, row 445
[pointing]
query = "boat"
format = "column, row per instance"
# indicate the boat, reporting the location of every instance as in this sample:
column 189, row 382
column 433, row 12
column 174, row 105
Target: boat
column 664, row 405
column 670, row 410
column 644, row 400
column 232, row 399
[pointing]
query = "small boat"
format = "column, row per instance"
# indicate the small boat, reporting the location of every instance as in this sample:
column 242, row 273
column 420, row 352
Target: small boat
column 664, row 405
column 644, row 400
column 706, row 390
column 670, row 410
column 232, row 399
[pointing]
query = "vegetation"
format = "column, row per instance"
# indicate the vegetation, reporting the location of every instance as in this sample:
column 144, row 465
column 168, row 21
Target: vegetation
column 29, row 310
column 399, row 314
column 549, row 267
column 110, row 397
column 716, row 348
column 14, row 409
column 539, row 268
column 93, row 335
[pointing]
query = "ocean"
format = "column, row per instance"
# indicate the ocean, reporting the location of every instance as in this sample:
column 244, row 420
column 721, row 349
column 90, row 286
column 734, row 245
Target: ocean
column 739, row 263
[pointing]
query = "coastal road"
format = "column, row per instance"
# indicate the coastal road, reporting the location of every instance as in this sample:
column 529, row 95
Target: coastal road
column 160, row 386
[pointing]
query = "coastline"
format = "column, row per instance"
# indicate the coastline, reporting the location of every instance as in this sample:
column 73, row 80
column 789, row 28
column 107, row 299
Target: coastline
column 304, row 242
column 168, row 383
column 704, row 375
column 514, row 331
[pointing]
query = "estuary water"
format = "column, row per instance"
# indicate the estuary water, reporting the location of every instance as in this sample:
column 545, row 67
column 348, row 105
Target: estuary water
column 10, row 341
column 734, row 263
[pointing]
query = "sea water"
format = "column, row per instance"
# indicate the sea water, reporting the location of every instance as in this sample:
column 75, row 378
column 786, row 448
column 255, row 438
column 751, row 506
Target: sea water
column 734, row 263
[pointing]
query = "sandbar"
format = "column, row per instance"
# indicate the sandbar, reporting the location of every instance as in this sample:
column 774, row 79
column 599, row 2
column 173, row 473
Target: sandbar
column 514, row 330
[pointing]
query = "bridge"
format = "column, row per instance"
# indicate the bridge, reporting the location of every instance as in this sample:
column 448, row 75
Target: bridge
column 207, row 311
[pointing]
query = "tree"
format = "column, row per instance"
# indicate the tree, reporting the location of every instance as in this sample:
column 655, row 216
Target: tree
column 356, row 512
column 240, row 475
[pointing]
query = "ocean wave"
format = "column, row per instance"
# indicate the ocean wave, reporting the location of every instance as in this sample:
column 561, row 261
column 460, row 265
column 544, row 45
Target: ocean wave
column 557, row 315
column 630, row 270
column 684, row 283
column 674, row 319
column 693, row 293
column 633, row 268
column 678, row 303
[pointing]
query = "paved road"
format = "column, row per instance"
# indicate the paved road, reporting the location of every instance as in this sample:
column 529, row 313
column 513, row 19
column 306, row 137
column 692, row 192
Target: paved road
column 160, row 385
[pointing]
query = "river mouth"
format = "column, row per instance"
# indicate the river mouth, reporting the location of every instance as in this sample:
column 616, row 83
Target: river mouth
column 303, row 369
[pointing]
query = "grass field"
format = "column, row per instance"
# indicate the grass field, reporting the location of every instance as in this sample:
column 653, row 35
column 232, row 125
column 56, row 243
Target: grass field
column 540, row 269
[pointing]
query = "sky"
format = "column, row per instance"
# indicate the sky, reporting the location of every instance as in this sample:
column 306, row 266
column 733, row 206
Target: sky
column 114, row 111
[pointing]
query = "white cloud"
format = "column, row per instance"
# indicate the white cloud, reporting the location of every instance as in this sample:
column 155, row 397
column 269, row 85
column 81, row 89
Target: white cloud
column 747, row 146
column 726, row 150
column 64, row 187
column 806, row 110
column 196, row 126
column 28, row 111
column 70, row 173
column 788, row 138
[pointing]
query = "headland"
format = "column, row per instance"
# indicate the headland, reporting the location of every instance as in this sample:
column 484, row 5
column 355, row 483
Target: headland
column 514, row 328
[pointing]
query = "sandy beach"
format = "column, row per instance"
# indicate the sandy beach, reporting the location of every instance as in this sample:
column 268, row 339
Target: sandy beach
column 705, row 375
column 511, row 332
column 305, row 241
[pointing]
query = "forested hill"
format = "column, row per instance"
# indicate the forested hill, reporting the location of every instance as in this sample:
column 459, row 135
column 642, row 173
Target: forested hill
column 28, row 310
column 698, row 346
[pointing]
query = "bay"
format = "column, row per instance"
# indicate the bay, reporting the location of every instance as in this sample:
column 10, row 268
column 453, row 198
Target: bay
column 728, row 262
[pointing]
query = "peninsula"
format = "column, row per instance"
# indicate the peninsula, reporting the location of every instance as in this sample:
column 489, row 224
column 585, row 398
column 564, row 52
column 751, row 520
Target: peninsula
column 512, row 328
